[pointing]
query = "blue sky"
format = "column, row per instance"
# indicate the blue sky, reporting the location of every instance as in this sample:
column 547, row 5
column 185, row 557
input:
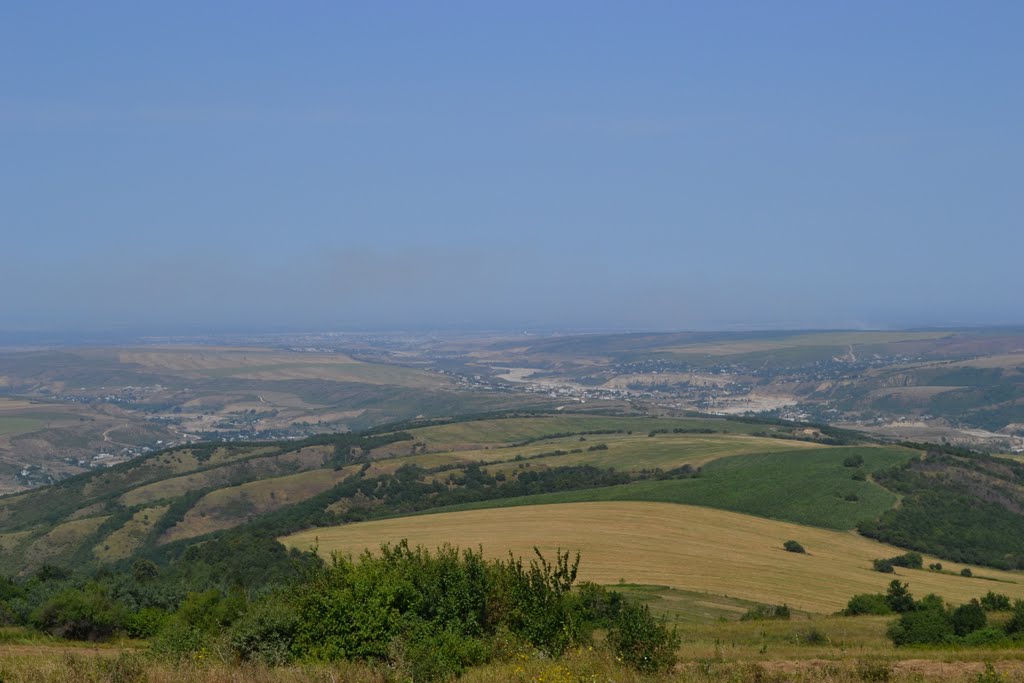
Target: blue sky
column 563, row 165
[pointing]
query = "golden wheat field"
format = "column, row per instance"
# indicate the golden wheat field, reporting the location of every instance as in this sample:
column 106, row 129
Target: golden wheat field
column 681, row 546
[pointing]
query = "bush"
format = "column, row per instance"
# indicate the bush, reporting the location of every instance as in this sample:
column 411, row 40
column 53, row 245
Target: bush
column 884, row 566
column 966, row 571
column 1015, row 624
column 995, row 602
column 911, row 560
column 199, row 621
column 793, row 547
column 968, row 617
column 87, row 614
column 641, row 641
column 935, row 566
column 265, row 633
column 766, row 612
column 146, row 622
column 922, row 627
column 812, row 636
column 989, row 635
column 853, row 461
column 867, row 603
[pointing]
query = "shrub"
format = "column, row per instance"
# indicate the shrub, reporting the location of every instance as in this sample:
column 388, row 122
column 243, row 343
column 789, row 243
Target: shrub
column 766, row 612
column 968, row 617
column 853, row 461
column 995, row 602
column 641, row 641
column 989, row 635
column 145, row 623
column 1015, row 624
column 935, row 566
column 812, row 636
column 911, row 560
column 867, row 603
column 199, row 621
column 966, row 571
column 922, row 627
column 884, row 566
column 87, row 614
column 265, row 633
column 793, row 547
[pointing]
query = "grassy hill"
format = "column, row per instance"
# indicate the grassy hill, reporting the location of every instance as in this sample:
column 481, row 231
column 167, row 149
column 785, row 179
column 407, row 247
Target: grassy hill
column 190, row 492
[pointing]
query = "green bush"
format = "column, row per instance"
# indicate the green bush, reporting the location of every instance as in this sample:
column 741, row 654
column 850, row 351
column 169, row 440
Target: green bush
column 884, row 566
column 968, row 617
column 1015, row 624
column 199, row 621
column 867, row 603
column 989, row 635
column 265, row 632
column 995, row 602
column 966, row 571
column 793, row 547
column 641, row 641
column 761, row 612
column 86, row 614
column 922, row 627
column 145, row 623
column 853, row 461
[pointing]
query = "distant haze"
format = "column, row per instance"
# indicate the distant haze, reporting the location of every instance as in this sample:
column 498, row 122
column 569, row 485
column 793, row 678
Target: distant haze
column 601, row 165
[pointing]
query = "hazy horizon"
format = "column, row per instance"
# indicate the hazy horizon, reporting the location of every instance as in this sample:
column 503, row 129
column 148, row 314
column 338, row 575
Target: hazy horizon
column 571, row 167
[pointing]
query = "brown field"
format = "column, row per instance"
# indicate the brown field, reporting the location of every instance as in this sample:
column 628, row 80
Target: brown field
column 684, row 547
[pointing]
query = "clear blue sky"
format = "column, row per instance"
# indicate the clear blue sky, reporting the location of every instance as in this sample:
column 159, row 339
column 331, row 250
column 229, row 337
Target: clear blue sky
column 562, row 164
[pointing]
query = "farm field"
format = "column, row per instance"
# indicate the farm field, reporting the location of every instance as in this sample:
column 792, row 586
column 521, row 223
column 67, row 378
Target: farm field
column 806, row 486
column 511, row 430
column 683, row 547
column 625, row 452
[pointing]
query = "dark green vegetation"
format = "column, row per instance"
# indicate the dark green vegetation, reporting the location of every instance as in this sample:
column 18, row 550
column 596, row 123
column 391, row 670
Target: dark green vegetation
column 431, row 615
column 793, row 547
column 808, row 486
column 961, row 506
column 930, row 621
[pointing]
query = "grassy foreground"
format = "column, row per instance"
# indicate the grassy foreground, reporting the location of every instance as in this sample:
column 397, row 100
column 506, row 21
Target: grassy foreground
column 684, row 547
column 580, row 666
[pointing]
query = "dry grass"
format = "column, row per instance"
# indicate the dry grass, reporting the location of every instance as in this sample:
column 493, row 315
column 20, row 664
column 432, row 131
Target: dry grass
column 586, row 665
column 61, row 539
column 228, row 507
column 122, row 542
column 684, row 547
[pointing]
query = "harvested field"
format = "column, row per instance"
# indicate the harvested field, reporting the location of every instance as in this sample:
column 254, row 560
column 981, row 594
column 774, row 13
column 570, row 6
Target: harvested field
column 683, row 547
